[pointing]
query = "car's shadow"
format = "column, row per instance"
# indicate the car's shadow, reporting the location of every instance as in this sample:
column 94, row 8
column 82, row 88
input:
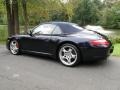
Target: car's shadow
column 40, row 57
column 92, row 63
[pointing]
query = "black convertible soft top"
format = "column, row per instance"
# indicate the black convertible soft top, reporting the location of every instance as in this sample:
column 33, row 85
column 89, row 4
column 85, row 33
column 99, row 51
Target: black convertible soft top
column 67, row 27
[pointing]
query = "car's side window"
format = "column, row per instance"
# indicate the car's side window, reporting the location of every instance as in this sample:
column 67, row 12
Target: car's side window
column 37, row 30
column 57, row 30
column 44, row 29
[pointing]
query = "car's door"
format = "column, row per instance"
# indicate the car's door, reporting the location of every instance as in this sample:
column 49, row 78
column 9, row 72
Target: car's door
column 56, row 37
column 40, row 39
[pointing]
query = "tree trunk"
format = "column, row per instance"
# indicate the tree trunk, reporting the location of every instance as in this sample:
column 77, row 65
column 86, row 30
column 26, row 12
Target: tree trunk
column 10, row 18
column 16, row 16
column 25, row 15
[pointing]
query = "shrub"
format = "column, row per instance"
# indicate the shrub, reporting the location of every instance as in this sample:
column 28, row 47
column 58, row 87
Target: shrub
column 114, row 38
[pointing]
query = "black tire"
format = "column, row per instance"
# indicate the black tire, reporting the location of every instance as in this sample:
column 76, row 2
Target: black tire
column 77, row 57
column 14, row 47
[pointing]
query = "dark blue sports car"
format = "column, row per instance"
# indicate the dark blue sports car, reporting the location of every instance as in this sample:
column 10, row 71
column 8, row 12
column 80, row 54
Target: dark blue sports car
column 65, row 41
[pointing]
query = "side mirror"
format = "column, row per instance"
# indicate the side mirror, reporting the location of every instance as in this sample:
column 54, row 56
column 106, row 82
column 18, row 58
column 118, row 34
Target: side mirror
column 30, row 32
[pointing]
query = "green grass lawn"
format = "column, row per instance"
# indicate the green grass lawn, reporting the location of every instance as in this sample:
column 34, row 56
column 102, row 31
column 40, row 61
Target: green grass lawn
column 2, row 42
column 116, row 51
column 3, row 32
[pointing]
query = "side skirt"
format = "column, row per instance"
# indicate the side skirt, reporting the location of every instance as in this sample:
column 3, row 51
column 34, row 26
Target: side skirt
column 37, row 52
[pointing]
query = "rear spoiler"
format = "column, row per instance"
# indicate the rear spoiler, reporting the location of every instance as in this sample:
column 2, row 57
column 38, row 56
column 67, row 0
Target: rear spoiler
column 99, row 34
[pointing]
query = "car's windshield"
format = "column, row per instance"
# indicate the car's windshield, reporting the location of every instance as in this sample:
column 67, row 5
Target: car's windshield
column 70, row 28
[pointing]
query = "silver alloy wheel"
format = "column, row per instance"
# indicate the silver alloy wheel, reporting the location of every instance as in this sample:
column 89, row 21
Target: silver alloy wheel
column 68, row 55
column 14, row 47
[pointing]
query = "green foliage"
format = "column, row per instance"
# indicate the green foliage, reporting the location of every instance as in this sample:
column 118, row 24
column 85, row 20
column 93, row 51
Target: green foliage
column 115, row 36
column 86, row 12
column 83, row 12
column 3, row 18
column 110, row 17
column 116, row 51
column 45, row 10
column 114, row 39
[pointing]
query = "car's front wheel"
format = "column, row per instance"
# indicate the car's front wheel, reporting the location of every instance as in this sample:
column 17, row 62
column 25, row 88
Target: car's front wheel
column 69, row 55
column 14, row 47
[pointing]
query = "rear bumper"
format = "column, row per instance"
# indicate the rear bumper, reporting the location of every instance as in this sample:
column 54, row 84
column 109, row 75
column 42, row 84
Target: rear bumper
column 96, row 53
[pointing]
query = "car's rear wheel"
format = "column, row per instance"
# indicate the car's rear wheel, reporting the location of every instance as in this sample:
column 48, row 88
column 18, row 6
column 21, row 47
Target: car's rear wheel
column 14, row 47
column 69, row 55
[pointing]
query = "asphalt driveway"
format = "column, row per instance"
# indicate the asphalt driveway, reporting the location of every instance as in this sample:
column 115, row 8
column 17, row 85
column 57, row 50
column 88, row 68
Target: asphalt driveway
column 26, row 72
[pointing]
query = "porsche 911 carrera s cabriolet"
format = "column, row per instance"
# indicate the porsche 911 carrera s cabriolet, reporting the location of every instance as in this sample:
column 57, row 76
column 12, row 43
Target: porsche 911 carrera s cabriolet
column 65, row 41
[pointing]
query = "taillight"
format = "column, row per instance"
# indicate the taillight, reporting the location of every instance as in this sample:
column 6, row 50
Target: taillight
column 99, row 43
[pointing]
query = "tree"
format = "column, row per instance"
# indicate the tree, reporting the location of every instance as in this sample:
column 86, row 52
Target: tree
column 24, row 6
column 82, row 12
column 110, row 15
column 86, row 12
column 12, row 17
column 2, row 13
column 9, row 18
column 16, row 16
column 69, row 10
